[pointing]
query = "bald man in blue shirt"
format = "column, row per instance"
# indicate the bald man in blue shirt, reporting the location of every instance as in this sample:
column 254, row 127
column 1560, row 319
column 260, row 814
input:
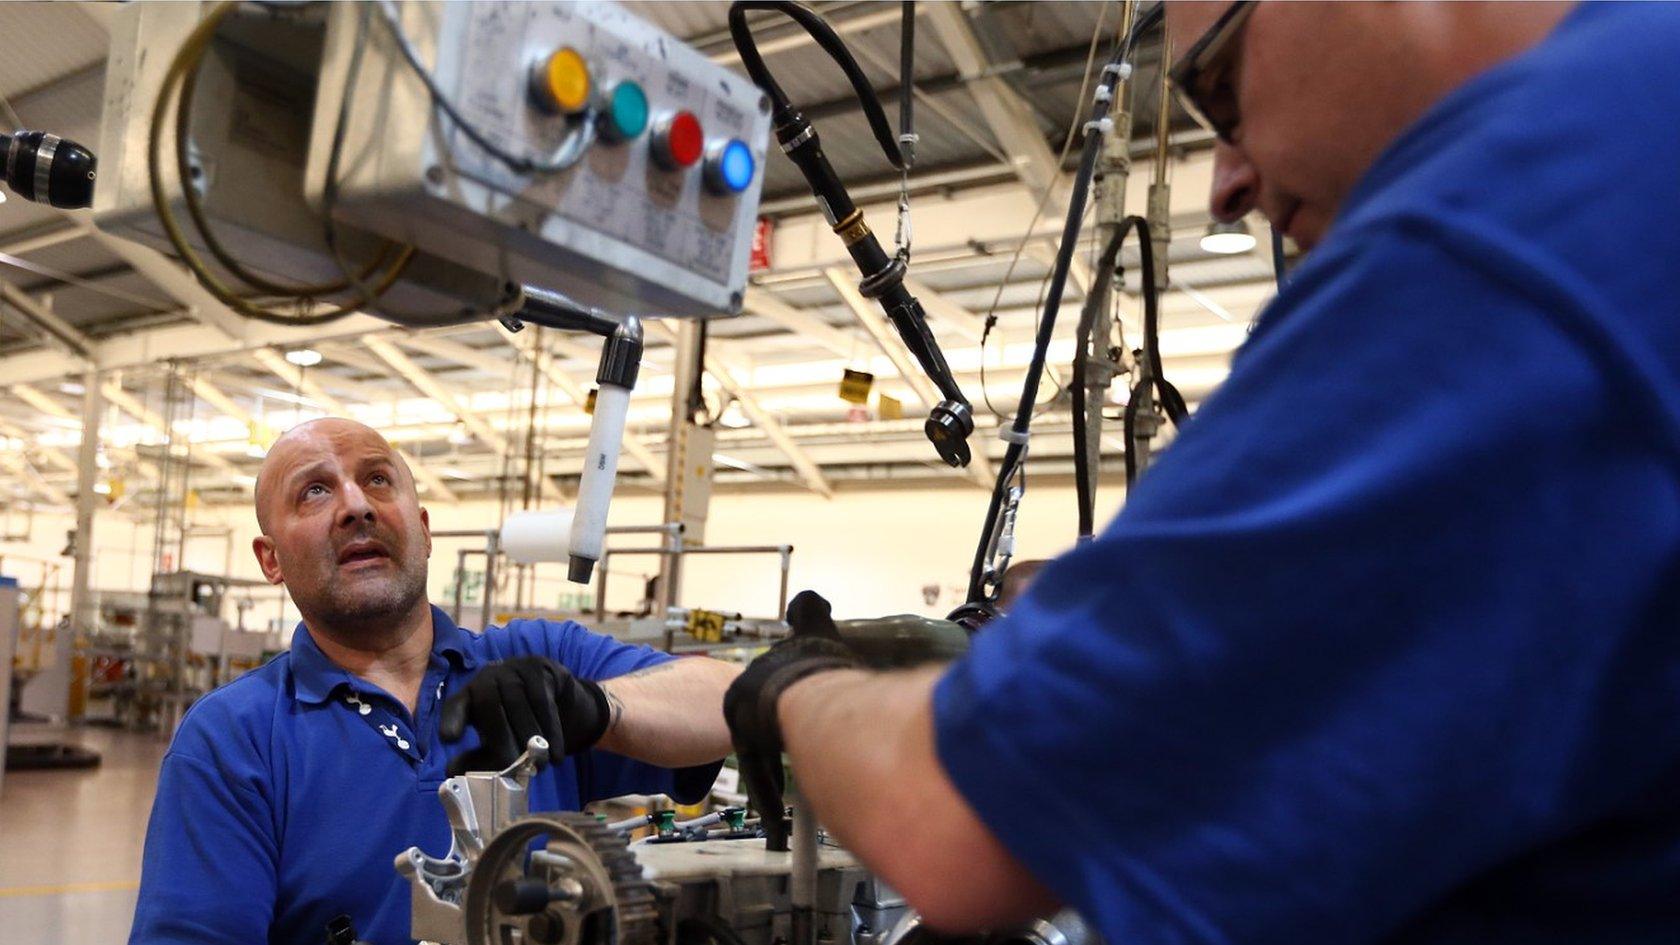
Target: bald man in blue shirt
column 1386, row 646
column 287, row 794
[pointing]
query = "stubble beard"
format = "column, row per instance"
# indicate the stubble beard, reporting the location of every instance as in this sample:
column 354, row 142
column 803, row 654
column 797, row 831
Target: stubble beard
column 364, row 608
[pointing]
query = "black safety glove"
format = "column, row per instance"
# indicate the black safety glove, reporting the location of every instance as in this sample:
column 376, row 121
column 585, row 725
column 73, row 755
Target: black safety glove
column 750, row 704
column 510, row 701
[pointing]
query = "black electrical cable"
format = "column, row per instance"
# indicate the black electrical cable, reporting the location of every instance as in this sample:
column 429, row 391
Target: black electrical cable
column 1279, row 268
column 195, row 208
column 1172, row 402
column 906, row 83
column 194, row 44
column 823, row 34
column 1014, row 455
column 951, row 421
column 1107, row 261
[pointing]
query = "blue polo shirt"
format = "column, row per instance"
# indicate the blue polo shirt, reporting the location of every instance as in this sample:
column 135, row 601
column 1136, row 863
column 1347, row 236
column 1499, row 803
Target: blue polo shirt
column 1386, row 647
column 287, row 794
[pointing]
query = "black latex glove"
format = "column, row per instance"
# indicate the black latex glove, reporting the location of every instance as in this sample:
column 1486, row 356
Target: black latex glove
column 750, row 704
column 510, row 701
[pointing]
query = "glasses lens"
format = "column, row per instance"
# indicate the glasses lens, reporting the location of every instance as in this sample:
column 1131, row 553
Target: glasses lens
column 1211, row 102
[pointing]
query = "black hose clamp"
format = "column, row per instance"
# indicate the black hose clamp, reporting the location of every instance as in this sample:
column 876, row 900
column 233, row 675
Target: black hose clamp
column 888, row 279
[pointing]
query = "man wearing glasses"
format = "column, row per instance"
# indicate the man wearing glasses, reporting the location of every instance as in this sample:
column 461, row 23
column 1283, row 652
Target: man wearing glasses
column 1386, row 647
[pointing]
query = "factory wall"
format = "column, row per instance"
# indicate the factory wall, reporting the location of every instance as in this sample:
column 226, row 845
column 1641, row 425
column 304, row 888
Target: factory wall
column 872, row 551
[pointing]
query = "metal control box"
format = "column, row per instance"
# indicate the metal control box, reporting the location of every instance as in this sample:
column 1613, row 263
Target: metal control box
column 250, row 134
column 620, row 229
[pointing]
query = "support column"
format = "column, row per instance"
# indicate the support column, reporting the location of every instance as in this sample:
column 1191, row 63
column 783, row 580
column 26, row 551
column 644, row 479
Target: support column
column 1160, row 235
column 82, row 615
column 1113, row 168
column 689, row 445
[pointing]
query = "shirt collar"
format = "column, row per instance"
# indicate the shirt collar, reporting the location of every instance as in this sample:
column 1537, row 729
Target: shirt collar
column 315, row 677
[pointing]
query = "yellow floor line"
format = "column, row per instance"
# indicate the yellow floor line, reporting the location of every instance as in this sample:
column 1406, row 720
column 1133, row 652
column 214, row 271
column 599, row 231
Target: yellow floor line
column 61, row 888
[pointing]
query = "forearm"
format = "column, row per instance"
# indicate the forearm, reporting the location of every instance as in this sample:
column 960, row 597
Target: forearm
column 863, row 754
column 671, row 714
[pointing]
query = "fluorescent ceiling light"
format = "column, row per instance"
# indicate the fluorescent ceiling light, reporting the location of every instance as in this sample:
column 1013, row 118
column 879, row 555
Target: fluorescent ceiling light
column 304, row 357
column 1228, row 238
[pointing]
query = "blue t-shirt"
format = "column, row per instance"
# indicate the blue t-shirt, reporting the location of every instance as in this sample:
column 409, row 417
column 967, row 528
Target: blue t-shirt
column 287, row 794
column 1386, row 648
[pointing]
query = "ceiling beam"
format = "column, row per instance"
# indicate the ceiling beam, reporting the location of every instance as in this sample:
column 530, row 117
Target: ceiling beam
column 876, row 325
column 132, row 406
column 807, row 468
column 632, row 442
column 483, row 359
column 946, row 312
column 301, row 382
column 24, row 469
column 40, row 238
column 212, row 395
column 428, row 386
column 764, row 303
column 1007, row 114
column 173, row 279
column 42, row 402
column 57, row 456
column 772, row 428
column 60, row 332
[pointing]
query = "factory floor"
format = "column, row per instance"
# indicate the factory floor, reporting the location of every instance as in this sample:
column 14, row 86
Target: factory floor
column 70, row 841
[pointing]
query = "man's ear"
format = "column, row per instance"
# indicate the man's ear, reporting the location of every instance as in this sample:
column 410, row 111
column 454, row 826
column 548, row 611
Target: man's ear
column 263, row 546
column 426, row 529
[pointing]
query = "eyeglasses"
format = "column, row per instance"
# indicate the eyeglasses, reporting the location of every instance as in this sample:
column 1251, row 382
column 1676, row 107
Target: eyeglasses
column 1203, row 76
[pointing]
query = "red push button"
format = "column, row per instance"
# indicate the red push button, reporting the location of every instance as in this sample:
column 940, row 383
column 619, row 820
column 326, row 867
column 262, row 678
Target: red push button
column 677, row 141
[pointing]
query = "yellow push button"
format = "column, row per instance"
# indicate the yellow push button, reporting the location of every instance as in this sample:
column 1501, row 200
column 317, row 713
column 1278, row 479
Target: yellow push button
column 560, row 83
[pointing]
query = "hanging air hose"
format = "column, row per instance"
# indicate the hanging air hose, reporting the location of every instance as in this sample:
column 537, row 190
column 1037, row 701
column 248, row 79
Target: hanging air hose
column 952, row 420
column 1171, row 401
column 982, row 585
column 1152, row 377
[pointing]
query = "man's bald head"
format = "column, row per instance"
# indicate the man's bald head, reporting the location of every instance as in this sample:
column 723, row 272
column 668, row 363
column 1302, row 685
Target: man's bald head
column 311, row 440
column 343, row 529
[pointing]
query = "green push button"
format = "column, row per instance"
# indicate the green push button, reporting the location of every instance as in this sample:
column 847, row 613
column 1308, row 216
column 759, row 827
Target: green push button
column 627, row 112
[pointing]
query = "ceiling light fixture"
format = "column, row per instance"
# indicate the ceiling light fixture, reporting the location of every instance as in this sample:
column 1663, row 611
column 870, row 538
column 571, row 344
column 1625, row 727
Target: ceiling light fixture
column 1228, row 239
column 304, row 357
column 734, row 417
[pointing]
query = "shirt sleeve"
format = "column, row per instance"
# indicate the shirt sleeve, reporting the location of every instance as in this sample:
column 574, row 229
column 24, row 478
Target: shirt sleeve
column 604, row 774
column 1380, row 619
column 208, row 874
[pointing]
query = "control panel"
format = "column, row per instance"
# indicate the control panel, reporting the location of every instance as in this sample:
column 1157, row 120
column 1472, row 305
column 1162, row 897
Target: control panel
column 623, row 167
